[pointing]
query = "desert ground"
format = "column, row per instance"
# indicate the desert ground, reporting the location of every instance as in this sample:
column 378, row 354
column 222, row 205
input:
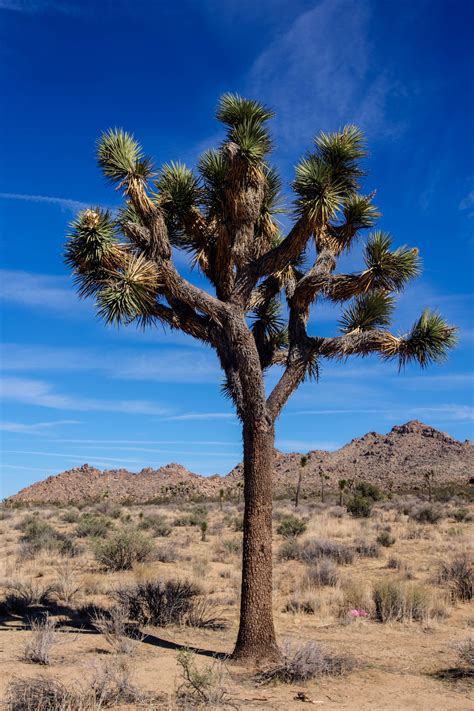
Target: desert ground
column 91, row 601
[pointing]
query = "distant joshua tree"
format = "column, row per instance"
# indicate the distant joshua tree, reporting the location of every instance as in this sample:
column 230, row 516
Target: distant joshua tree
column 429, row 476
column 223, row 217
column 324, row 478
column 303, row 462
column 342, row 484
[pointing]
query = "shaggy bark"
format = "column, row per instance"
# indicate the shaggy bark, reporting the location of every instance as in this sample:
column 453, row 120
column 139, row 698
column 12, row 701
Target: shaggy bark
column 256, row 639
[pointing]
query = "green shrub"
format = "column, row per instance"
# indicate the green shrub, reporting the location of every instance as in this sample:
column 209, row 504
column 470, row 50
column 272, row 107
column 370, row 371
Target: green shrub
column 92, row 526
column 156, row 524
column 426, row 513
column 400, row 602
column 316, row 548
column 123, row 549
column 291, row 527
column 462, row 515
column 290, row 550
column 385, row 539
column 39, row 535
column 368, row 491
column 359, row 506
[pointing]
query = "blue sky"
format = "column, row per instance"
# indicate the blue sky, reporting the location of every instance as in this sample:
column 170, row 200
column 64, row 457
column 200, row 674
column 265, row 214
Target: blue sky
column 75, row 391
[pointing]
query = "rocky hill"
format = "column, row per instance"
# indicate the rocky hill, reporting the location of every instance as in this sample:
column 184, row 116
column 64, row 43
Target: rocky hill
column 396, row 460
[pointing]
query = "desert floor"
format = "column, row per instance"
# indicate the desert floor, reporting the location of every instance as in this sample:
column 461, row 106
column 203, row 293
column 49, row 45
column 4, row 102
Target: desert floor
column 409, row 664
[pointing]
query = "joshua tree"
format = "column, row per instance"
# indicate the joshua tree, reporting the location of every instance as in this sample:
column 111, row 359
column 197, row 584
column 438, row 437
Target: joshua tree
column 428, row 476
column 224, row 218
column 342, row 484
column 324, row 477
column 303, row 463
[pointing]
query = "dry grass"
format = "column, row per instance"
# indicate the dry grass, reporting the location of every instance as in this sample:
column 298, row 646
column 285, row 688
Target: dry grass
column 323, row 581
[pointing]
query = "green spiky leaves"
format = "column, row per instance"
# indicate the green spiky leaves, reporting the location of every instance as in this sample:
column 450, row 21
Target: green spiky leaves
column 128, row 293
column 367, row 313
column 390, row 270
column 179, row 190
column 91, row 248
column 91, row 239
column 246, row 121
column 328, row 178
column 234, row 110
column 429, row 341
column 267, row 317
column 121, row 157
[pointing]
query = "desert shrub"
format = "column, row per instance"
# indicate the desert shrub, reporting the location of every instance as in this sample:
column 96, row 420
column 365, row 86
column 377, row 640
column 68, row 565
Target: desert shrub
column 316, row 548
column 290, row 550
column 111, row 685
column 238, row 524
column 43, row 637
column 21, row 596
column 156, row 524
column 65, row 587
column 302, row 604
column 385, row 539
column 426, row 513
column 458, row 574
column 71, row 516
column 201, row 615
column 301, row 662
column 337, row 511
column 123, row 549
column 114, row 625
column 92, row 526
column 159, row 603
column 200, row 686
column 400, row 602
column 465, row 651
column 291, row 527
column 41, row 694
column 324, row 572
column 394, row 563
column 366, row 549
column 39, row 535
column 461, row 515
column 227, row 547
column 368, row 491
column 359, row 506
column 166, row 554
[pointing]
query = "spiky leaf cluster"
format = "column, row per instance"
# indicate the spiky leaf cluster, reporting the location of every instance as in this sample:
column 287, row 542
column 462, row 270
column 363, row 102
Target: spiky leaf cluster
column 367, row 312
column 429, row 340
column 128, row 293
column 179, row 191
column 246, row 120
column 121, row 157
column 330, row 177
column 390, row 270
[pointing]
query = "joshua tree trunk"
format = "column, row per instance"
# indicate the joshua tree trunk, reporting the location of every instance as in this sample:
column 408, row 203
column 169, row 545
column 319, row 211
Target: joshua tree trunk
column 256, row 638
column 298, row 488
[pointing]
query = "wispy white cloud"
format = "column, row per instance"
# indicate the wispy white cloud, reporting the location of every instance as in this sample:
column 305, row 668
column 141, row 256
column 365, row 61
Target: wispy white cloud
column 177, row 365
column 331, row 80
column 34, row 428
column 202, row 416
column 63, row 203
column 442, row 413
column 40, row 291
column 42, row 394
